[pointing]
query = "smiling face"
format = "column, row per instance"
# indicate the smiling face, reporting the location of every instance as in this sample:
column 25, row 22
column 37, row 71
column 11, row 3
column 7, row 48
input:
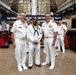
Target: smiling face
column 47, row 17
column 23, row 15
column 60, row 22
column 35, row 21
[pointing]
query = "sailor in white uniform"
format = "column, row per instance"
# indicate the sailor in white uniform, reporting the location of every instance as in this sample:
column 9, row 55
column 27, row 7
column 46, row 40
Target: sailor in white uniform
column 62, row 30
column 28, row 21
column 19, row 41
column 34, row 34
column 50, row 34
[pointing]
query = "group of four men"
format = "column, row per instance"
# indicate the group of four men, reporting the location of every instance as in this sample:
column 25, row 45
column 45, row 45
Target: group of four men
column 34, row 33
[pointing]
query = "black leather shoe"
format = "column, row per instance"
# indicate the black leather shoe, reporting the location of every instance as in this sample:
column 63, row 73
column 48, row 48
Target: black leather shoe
column 38, row 65
column 30, row 67
column 27, row 52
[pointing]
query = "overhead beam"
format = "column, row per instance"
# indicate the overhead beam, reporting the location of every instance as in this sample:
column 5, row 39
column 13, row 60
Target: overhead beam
column 3, row 5
column 66, row 5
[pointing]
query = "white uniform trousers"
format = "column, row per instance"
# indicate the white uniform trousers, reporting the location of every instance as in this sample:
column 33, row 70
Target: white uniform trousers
column 50, row 51
column 27, row 46
column 61, row 42
column 33, row 47
column 20, row 51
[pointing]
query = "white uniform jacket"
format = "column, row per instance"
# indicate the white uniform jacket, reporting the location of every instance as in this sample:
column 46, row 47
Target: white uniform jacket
column 62, row 29
column 19, row 29
column 49, row 29
column 34, row 33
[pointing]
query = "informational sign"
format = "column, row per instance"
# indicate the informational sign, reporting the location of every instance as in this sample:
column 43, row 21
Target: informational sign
column 40, row 17
column 57, row 17
column 11, row 18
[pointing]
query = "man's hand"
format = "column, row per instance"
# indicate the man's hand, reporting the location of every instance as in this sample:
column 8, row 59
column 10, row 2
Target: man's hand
column 35, row 42
column 14, row 44
column 64, row 35
column 53, row 43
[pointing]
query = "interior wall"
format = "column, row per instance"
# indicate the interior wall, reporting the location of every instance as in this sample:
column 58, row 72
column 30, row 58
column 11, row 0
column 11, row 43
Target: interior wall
column 67, row 22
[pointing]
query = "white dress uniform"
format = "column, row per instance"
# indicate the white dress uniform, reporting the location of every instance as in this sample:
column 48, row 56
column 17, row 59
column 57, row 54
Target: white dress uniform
column 19, row 30
column 34, row 33
column 61, row 30
column 48, row 30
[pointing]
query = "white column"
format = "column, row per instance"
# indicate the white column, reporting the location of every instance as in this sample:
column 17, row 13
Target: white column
column 34, row 7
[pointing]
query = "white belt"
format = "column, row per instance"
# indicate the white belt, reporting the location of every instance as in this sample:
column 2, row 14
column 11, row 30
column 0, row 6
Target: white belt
column 60, row 34
column 23, row 39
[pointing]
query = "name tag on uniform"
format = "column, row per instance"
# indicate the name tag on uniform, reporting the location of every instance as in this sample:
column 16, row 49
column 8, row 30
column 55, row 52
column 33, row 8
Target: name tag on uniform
column 19, row 27
column 62, row 28
column 43, row 26
column 50, row 26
